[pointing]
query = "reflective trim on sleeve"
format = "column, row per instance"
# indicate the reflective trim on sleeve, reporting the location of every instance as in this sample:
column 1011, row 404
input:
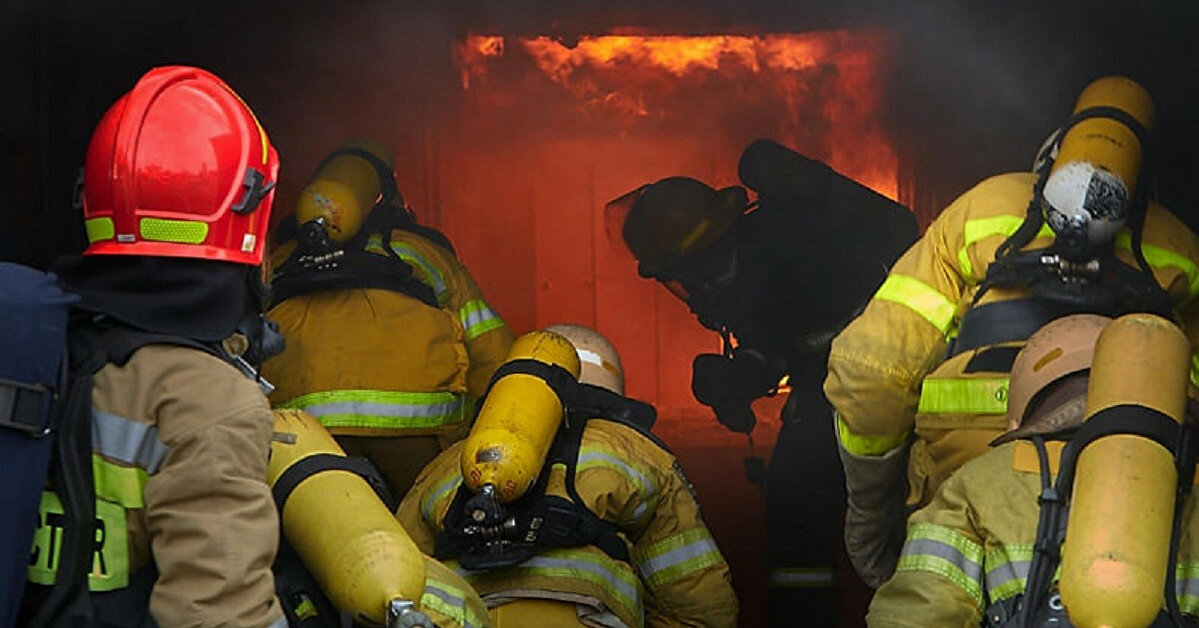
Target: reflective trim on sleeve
column 1186, row 584
column 441, row 490
column 425, row 269
column 1158, row 258
column 119, row 484
column 478, row 318
column 1007, row 570
column 451, row 602
column 591, row 457
column 1195, row 369
column 677, row 556
column 982, row 228
column 616, row 579
column 984, row 395
column 919, row 297
column 802, row 578
column 127, row 441
column 861, row 445
column 945, row 552
column 382, row 409
column 278, row 623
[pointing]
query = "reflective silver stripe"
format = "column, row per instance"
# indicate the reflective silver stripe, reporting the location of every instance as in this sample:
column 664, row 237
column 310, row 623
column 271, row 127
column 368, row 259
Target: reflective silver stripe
column 278, row 623
column 126, row 441
column 390, row 410
column 801, row 578
column 446, row 603
column 699, row 548
column 588, row 457
column 930, row 547
column 626, row 590
column 1007, row 578
column 439, row 492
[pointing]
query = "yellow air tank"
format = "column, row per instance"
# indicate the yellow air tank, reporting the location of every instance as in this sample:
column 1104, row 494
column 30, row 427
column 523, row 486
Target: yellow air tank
column 344, row 190
column 514, row 430
column 1094, row 177
column 1117, row 544
column 356, row 549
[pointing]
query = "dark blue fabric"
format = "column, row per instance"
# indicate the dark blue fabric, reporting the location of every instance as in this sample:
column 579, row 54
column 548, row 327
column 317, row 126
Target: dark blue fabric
column 33, row 335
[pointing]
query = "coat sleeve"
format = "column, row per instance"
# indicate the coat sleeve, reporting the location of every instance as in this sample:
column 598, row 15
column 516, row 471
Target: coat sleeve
column 877, row 363
column 212, row 523
column 488, row 338
column 687, row 580
column 424, row 506
column 938, row 581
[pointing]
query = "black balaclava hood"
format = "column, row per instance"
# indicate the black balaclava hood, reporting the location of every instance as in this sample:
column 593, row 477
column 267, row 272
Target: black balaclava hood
column 199, row 299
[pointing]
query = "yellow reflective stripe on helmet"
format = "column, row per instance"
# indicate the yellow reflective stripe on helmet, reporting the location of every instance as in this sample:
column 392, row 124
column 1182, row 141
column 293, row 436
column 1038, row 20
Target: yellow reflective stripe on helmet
column 969, row 396
column 945, row 552
column 441, row 490
column 178, row 231
column 451, row 602
column 861, row 445
column 978, row 229
column 384, row 409
column 1007, row 570
column 616, row 579
column 478, row 318
column 1158, row 258
column 919, row 297
column 101, row 228
column 110, row 554
column 677, row 556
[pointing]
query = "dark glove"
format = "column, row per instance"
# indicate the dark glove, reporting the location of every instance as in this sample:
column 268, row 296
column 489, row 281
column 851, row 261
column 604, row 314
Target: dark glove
column 729, row 385
column 875, row 515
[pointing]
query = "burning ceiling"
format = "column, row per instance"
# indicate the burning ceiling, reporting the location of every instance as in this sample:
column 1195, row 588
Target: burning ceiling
column 820, row 92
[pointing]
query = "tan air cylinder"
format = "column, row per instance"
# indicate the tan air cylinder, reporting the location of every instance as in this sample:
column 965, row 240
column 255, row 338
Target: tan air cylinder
column 344, row 190
column 356, row 549
column 1117, row 544
column 514, row 430
column 1106, row 142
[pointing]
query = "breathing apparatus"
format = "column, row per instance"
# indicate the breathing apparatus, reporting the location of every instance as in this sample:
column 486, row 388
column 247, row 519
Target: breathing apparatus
column 531, row 421
column 1091, row 184
column 352, row 202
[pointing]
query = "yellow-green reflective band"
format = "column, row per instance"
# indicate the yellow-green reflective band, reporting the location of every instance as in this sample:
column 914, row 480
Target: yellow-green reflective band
column 477, row 319
column 945, row 552
column 179, row 231
column 982, row 228
column 119, row 484
column 442, row 490
column 919, row 297
column 677, row 556
column 984, row 395
column 616, row 580
column 99, row 229
column 425, row 271
column 1186, row 585
column 591, row 457
column 1007, row 570
column 802, row 578
column 1157, row 257
column 110, row 557
column 451, row 602
column 1195, row 369
column 860, row 445
column 381, row 409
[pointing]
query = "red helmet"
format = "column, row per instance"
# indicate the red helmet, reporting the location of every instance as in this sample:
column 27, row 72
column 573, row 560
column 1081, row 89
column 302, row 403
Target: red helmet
column 179, row 167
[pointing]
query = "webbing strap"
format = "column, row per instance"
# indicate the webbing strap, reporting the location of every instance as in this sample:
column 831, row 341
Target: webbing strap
column 25, row 407
column 1129, row 419
column 561, row 381
column 318, row 463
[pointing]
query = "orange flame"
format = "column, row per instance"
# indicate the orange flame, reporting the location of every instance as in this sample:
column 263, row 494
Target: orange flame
column 829, row 82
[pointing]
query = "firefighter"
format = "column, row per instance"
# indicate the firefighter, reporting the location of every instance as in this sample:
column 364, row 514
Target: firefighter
column 389, row 340
column 780, row 278
column 178, row 187
column 636, row 551
column 986, row 549
column 919, row 380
